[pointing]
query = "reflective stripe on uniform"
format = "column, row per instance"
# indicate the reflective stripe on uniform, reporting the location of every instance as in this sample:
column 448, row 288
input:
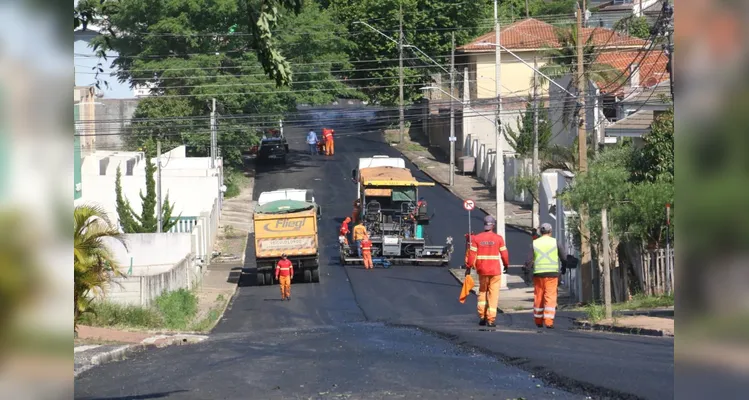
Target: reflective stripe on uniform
column 487, row 257
column 538, row 315
column 548, row 316
column 545, row 256
column 282, row 269
column 503, row 248
column 481, row 303
column 473, row 248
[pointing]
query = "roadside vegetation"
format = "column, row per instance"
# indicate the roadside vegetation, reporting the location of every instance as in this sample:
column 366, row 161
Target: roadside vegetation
column 235, row 180
column 595, row 312
column 174, row 311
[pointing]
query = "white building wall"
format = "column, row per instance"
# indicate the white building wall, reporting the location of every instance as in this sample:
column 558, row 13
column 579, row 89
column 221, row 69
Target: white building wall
column 561, row 102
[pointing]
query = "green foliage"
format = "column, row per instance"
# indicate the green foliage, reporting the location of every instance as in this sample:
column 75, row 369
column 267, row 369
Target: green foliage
column 118, row 315
column 426, row 25
column 234, row 181
column 634, row 184
column 177, row 308
column 514, row 10
column 634, row 26
column 173, row 310
column 656, row 160
column 188, row 68
column 596, row 312
column 146, row 222
column 527, row 183
column 522, row 140
column 93, row 262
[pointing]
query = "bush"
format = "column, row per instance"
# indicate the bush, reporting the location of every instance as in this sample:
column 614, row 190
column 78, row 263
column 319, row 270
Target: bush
column 172, row 310
column 177, row 308
column 234, row 181
column 115, row 315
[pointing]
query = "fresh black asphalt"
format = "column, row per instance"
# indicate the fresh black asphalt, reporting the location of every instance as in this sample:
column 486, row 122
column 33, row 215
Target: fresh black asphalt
column 382, row 333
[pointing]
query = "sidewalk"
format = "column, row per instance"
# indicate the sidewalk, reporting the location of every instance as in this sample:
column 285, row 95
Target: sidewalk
column 517, row 297
column 637, row 325
column 107, row 345
column 467, row 187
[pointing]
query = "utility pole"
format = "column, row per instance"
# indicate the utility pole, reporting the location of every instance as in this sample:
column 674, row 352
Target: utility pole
column 213, row 133
column 536, row 176
column 582, row 143
column 606, row 263
column 400, row 70
column 499, row 166
column 585, row 12
column 452, row 111
column 527, row 10
column 159, row 222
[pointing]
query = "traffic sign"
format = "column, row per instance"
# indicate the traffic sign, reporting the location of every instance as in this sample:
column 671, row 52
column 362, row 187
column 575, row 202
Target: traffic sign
column 469, row 205
column 453, row 139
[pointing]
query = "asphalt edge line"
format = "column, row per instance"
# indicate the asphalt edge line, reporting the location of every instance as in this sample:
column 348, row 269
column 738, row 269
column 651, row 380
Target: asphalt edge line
column 549, row 378
column 585, row 325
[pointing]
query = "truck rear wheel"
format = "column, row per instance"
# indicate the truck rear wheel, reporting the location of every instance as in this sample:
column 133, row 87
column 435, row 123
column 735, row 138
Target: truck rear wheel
column 315, row 275
column 307, row 276
column 268, row 278
column 260, row 279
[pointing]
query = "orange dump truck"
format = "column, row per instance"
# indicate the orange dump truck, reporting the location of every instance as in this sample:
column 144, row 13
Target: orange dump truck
column 287, row 226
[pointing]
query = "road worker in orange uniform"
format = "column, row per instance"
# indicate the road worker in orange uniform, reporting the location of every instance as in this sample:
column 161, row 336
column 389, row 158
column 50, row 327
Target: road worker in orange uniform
column 344, row 231
column 360, row 233
column 357, row 211
column 547, row 255
column 366, row 251
column 488, row 254
column 327, row 136
column 284, row 275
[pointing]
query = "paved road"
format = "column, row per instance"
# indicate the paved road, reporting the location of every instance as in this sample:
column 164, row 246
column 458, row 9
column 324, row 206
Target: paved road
column 352, row 336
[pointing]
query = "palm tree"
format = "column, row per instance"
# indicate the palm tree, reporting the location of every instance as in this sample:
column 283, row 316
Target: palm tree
column 563, row 62
column 94, row 263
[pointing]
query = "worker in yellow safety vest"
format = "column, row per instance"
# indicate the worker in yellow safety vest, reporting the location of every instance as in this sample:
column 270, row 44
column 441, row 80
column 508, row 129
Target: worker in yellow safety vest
column 547, row 254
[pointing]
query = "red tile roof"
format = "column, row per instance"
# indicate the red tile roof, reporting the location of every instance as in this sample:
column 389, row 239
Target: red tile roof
column 531, row 34
column 652, row 66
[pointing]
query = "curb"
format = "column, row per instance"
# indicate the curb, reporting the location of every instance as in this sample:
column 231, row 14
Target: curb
column 585, row 325
column 451, row 190
column 124, row 351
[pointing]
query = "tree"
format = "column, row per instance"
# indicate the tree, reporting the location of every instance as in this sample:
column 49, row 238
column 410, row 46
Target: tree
column 562, row 61
column 656, row 160
column 146, row 222
column 522, row 140
column 427, row 24
column 634, row 26
column 187, row 68
column 94, row 264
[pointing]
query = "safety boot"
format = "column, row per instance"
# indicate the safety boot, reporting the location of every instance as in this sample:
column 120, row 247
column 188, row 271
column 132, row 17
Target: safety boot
column 491, row 324
column 482, row 322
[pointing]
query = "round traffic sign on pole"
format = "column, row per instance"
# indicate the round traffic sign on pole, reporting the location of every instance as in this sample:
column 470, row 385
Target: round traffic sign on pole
column 469, row 205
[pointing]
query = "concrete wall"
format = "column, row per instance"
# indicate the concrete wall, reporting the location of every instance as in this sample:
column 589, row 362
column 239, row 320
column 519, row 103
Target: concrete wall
column 191, row 184
column 516, row 168
column 160, row 262
column 515, row 76
column 144, row 289
column 113, row 117
column 150, row 253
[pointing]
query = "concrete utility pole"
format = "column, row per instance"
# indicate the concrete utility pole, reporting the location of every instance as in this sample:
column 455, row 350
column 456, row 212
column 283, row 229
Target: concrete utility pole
column 585, row 267
column 213, row 133
column 452, row 111
column 606, row 263
column 159, row 222
column 499, row 167
column 527, row 10
column 535, row 167
column 400, row 71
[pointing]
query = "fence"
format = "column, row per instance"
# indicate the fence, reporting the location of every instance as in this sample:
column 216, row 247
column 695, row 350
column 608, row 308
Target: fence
column 204, row 233
column 656, row 272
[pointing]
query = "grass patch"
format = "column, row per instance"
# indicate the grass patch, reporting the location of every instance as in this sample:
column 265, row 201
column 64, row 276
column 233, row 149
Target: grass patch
column 234, row 181
column 596, row 311
column 172, row 310
column 207, row 323
column 177, row 308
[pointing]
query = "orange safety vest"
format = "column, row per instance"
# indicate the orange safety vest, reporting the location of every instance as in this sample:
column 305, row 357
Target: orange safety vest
column 366, row 246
